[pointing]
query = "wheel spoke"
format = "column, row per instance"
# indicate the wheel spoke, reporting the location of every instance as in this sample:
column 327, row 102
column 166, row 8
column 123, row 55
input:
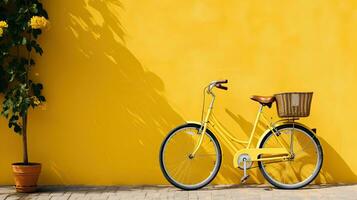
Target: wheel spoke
column 308, row 146
column 175, row 161
column 179, row 168
column 183, row 172
column 205, row 155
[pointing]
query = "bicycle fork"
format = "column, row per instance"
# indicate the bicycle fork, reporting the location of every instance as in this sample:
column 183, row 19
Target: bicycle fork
column 203, row 128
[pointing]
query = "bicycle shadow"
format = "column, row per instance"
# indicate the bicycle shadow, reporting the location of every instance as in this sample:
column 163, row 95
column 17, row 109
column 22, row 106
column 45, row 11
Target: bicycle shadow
column 328, row 173
column 334, row 166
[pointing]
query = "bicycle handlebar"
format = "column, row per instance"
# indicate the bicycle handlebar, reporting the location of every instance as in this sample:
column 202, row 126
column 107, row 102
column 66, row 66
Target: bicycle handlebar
column 222, row 81
column 217, row 84
column 222, row 87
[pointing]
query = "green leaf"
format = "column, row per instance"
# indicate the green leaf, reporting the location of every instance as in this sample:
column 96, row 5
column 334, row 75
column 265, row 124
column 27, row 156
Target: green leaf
column 42, row 98
column 17, row 128
column 36, row 33
column 24, row 41
column 12, row 77
column 37, row 47
column 36, row 88
column 34, row 8
column 14, row 118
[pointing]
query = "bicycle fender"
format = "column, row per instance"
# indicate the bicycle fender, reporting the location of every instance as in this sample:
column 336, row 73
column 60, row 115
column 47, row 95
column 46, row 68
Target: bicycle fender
column 193, row 122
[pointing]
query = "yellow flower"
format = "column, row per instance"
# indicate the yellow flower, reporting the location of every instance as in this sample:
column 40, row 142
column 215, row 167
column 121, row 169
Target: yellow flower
column 38, row 22
column 3, row 24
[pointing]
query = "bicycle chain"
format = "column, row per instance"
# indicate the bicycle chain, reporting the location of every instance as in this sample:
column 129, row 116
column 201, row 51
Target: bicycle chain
column 269, row 163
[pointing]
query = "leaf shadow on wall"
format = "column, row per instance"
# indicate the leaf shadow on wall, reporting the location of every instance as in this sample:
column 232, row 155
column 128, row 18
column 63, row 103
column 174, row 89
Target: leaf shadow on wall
column 334, row 167
column 107, row 114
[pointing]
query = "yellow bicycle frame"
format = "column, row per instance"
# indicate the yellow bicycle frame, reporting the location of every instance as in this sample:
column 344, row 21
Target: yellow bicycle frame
column 282, row 153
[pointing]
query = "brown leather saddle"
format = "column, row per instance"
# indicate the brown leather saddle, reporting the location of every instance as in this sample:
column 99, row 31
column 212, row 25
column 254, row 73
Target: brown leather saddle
column 264, row 100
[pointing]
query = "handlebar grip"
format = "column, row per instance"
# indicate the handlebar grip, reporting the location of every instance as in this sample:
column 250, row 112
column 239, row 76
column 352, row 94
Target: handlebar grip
column 222, row 81
column 221, row 87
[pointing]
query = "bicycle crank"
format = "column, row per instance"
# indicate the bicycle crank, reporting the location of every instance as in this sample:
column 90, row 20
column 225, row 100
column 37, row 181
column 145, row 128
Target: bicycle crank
column 244, row 162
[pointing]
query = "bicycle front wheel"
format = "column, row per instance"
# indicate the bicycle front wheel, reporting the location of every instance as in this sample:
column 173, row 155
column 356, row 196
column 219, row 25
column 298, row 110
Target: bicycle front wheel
column 305, row 164
column 182, row 170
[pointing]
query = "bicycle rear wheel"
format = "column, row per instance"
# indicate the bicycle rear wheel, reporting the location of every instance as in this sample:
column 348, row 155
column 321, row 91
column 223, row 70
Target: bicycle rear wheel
column 179, row 168
column 303, row 167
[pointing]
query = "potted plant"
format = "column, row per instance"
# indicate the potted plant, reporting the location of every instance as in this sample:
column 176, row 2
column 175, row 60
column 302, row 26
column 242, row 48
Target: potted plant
column 20, row 26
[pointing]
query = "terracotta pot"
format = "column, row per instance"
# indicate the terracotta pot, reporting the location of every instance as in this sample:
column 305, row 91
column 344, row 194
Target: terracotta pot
column 26, row 176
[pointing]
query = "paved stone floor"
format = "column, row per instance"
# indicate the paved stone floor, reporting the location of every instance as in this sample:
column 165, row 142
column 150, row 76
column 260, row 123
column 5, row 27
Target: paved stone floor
column 336, row 192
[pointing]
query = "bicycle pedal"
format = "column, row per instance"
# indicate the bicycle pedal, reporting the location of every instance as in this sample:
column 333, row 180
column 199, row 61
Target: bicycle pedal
column 244, row 179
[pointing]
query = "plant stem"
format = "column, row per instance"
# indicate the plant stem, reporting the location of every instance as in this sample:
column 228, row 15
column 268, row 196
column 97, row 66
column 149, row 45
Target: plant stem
column 24, row 138
column 24, row 115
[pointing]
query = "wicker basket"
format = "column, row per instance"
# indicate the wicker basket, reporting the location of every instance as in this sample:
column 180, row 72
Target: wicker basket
column 293, row 104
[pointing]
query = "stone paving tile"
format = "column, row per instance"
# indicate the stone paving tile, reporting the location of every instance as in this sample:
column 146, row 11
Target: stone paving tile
column 231, row 192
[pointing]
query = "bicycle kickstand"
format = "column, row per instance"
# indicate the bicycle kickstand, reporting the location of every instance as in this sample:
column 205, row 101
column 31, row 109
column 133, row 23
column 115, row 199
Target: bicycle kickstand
column 245, row 176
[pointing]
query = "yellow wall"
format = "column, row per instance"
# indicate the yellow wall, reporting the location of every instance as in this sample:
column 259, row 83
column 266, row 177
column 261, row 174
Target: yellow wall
column 119, row 75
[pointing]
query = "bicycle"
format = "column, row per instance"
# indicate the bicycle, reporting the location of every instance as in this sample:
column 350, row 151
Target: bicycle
column 288, row 153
